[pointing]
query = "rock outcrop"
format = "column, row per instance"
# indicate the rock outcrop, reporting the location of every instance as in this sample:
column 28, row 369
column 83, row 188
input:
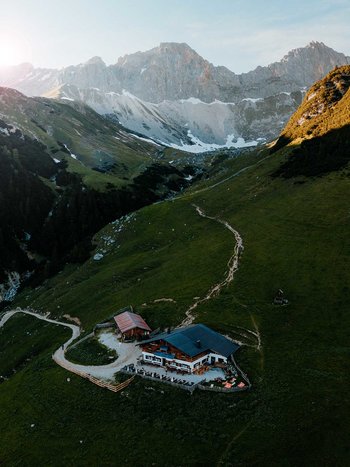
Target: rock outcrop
column 319, row 131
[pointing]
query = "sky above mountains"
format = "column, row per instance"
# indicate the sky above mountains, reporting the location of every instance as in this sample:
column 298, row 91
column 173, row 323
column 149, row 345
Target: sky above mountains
column 240, row 34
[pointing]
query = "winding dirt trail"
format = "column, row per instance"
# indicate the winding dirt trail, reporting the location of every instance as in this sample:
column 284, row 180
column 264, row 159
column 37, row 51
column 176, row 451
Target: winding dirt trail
column 75, row 329
column 232, row 267
column 127, row 353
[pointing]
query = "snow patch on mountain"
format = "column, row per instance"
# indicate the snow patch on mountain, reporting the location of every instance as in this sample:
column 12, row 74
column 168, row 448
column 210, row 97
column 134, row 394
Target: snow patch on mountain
column 252, row 99
column 199, row 146
column 70, row 152
column 145, row 139
column 195, row 100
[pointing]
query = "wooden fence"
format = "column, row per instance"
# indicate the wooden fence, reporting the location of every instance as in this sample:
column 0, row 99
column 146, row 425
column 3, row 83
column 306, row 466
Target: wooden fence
column 98, row 382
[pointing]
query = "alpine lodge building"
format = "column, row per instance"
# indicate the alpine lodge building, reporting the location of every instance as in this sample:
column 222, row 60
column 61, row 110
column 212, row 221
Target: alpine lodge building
column 188, row 349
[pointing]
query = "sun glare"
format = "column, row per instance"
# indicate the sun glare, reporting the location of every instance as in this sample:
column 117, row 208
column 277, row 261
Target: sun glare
column 9, row 54
column 14, row 49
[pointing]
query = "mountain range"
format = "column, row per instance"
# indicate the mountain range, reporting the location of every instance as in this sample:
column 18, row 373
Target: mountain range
column 174, row 96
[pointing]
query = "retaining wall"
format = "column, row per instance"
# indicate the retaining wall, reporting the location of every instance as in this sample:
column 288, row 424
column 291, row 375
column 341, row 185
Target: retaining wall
column 158, row 380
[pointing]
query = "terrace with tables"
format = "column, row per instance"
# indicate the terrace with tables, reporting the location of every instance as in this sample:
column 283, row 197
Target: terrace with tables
column 224, row 376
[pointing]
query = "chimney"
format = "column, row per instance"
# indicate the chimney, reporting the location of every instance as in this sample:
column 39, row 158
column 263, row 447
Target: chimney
column 198, row 344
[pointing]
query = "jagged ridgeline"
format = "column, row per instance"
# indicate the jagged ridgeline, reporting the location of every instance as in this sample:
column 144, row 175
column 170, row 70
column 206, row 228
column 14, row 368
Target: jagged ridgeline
column 172, row 94
column 65, row 172
column 319, row 129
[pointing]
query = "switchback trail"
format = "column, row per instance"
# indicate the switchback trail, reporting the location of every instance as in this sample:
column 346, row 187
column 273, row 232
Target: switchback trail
column 232, row 267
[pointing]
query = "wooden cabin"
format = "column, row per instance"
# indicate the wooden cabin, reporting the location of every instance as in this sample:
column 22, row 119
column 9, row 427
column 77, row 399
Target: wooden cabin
column 131, row 326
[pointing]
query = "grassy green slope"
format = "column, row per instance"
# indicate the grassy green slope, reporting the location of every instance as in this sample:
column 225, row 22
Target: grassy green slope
column 296, row 238
column 161, row 253
column 23, row 339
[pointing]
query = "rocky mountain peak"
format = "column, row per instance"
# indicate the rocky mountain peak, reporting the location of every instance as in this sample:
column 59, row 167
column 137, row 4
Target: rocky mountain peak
column 95, row 61
column 165, row 50
column 170, row 47
column 299, row 68
column 314, row 44
column 314, row 48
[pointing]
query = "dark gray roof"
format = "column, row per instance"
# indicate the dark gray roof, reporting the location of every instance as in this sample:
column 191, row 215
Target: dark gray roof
column 195, row 339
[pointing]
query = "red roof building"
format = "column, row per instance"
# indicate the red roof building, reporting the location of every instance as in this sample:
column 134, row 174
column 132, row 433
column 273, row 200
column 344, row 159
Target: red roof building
column 131, row 325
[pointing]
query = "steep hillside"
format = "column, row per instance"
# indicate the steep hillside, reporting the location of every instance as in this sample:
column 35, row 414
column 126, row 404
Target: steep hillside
column 72, row 128
column 65, row 172
column 320, row 128
column 295, row 237
column 25, row 202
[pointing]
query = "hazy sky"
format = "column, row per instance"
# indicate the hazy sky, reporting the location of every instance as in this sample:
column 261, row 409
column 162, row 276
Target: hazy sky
column 237, row 34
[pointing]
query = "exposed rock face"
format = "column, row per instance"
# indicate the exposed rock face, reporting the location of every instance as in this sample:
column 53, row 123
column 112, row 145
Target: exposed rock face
column 173, row 71
column 326, row 107
column 165, row 92
column 320, row 129
column 299, row 68
column 171, row 121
